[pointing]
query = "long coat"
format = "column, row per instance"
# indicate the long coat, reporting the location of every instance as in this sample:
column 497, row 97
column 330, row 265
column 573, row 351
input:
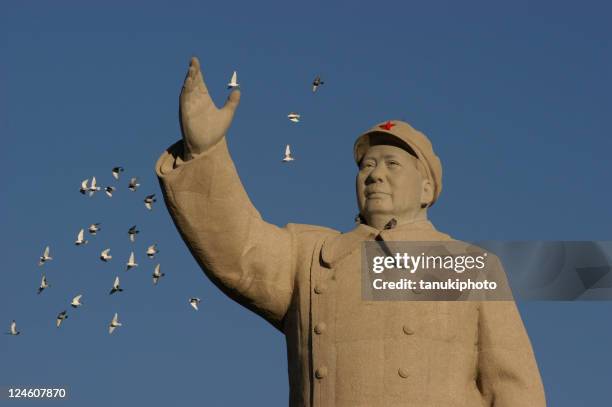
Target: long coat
column 342, row 351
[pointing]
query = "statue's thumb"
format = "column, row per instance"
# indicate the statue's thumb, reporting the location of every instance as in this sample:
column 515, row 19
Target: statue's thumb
column 232, row 101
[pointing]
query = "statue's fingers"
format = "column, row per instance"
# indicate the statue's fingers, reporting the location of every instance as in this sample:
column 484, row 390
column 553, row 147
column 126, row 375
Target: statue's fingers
column 194, row 78
column 197, row 77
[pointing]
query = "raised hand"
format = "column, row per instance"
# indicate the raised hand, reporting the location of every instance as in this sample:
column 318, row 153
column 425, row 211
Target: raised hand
column 202, row 123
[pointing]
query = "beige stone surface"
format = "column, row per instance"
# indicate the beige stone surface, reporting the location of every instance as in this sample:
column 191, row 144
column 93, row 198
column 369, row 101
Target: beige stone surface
column 305, row 281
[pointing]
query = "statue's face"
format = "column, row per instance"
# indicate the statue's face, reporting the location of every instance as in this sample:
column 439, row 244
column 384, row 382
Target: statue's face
column 389, row 183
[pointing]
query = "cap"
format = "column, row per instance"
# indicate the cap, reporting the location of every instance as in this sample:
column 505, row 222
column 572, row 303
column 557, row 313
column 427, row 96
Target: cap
column 414, row 139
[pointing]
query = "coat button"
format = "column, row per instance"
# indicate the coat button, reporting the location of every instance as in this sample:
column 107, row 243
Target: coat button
column 321, row 372
column 407, row 330
column 320, row 288
column 403, row 372
column 319, row 328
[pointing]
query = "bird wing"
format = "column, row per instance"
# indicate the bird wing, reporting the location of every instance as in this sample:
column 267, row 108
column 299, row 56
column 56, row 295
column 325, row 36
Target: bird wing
column 80, row 236
column 13, row 327
column 77, row 299
column 131, row 260
column 116, row 283
column 288, row 150
column 46, row 254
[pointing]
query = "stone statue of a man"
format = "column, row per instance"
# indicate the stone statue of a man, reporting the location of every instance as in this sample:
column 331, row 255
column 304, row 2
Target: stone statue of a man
column 305, row 280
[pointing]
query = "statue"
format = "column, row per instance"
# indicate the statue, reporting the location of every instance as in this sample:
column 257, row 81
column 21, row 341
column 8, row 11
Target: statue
column 305, row 280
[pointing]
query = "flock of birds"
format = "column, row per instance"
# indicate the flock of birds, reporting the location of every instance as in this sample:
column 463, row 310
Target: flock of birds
column 90, row 188
column 293, row 116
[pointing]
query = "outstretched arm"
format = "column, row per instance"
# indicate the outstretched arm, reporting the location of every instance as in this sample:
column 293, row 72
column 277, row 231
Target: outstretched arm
column 249, row 259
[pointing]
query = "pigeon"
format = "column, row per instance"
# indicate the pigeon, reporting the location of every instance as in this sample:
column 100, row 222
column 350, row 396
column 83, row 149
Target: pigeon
column 105, row 256
column 109, row 191
column 93, row 188
column 80, row 238
column 114, row 324
column 60, row 318
column 234, row 81
column 149, row 200
column 133, row 184
column 294, row 117
column 132, row 233
column 13, row 330
column 116, row 286
column 43, row 284
column 45, row 257
column 152, row 251
column 316, row 83
column 76, row 301
column 117, row 171
column 131, row 262
column 94, row 228
column 84, row 187
column 288, row 157
column 194, row 301
column 157, row 274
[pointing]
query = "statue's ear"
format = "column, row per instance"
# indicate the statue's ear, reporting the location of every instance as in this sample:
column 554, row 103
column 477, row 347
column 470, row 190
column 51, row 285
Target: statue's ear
column 427, row 193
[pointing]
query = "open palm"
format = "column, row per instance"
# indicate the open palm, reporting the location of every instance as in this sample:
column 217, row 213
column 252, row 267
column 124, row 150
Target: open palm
column 202, row 123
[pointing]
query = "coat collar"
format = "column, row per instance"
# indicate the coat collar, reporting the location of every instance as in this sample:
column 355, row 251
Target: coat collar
column 337, row 247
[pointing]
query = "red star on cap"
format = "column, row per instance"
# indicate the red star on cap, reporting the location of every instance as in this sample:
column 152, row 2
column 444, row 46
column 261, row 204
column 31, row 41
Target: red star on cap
column 387, row 126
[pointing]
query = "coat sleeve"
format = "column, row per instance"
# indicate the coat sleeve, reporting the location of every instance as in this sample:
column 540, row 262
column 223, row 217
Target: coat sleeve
column 508, row 374
column 250, row 260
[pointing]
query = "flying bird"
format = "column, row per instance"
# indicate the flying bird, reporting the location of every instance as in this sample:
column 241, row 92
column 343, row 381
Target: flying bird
column 105, row 255
column 93, row 187
column 288, row 157
column 117, row 171
column 76, row 301
column 116, row 286
column 131, row 262
column 152, row 250
column 157, row 274
column 94, row 228
column 84, row 187
column 45, row 257
column 13, row 330
column 234, row 81
column 149, row 200
column 194, row 301
column 114, row 324
column 132, row 233
column 294, row 117
column 43, row 284
column 109, row 191
column 316, row 83
column 133, row 185
column 60, row 318
column 80, row 238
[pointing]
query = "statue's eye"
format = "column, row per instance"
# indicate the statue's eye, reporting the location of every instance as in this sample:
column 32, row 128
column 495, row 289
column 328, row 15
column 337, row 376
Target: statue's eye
column 393, row 163
column 367, row 164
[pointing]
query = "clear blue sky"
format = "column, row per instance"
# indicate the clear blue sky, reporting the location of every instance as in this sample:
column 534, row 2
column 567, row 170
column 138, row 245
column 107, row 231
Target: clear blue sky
column 515, row 96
